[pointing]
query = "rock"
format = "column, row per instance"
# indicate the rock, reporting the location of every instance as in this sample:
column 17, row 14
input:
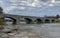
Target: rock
column 23, row 34
column 25, row 37
column 1, row 27
column 34, row 37
column 6, row 30
column 31, row 34
column 41, row 37
column 9, row 32
column 3, row 35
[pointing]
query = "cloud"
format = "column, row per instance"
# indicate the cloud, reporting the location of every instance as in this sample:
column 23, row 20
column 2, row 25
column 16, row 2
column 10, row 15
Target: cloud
column 26, row 7
column 21, row 8
column 1, row 3
column 53, row 1
column 13, row 0
column 36, row 3
column 58, row 2
column 51, row 5
column 7, row 9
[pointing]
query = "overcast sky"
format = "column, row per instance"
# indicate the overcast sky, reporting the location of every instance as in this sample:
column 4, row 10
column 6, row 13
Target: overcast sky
column 31, row 7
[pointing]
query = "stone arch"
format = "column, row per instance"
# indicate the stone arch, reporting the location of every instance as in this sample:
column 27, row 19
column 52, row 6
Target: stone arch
column 28, row 20
column 47, row 20
column 14, row 20
column 39, row 21
column 53, row 20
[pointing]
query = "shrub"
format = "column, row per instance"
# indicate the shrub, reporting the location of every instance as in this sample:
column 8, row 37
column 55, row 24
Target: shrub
column 57, row 20
column 2, row 21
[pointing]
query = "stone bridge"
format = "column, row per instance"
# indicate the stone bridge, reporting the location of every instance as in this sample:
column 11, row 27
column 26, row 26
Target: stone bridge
column 29, row 19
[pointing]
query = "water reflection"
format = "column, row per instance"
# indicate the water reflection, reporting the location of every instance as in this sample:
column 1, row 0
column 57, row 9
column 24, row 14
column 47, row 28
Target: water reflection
column 9, row 23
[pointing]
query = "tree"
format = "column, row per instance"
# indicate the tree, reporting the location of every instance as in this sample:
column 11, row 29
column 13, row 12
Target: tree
column 1, row 11
column 1, row 18
column 57, row 16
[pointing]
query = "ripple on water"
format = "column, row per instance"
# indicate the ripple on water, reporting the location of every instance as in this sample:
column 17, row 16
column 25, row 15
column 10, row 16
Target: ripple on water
column 51, row 30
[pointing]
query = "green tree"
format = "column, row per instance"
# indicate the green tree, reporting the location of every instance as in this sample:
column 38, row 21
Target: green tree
column 1, row 16
column 1, row 11
column 57, row 16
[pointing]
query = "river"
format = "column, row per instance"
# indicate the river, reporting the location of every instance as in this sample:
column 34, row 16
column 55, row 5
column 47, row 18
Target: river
column 51, row 30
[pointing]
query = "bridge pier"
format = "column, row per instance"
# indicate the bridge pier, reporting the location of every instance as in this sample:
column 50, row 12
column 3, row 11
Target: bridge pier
column 14, row 22
column 17, row 22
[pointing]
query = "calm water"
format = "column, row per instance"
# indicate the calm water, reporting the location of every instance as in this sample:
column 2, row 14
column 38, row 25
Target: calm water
column 47, row 30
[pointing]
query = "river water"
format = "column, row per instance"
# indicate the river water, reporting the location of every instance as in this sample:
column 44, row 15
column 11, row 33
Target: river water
column 51, row 30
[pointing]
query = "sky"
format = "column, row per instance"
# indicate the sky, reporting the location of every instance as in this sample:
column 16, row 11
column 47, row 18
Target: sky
column 36, row 8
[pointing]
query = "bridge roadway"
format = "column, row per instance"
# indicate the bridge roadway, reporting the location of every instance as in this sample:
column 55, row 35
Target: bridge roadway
column 20, row 18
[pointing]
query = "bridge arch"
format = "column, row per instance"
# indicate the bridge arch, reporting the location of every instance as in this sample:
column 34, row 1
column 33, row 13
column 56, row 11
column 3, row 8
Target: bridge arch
column 53, row 20
column 39, row 20
column 28, row 20
column 14, row 20
column 47, row 20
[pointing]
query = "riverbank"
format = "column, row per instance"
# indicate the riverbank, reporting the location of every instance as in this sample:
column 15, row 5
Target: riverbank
column 48, row 30
column 19, row 34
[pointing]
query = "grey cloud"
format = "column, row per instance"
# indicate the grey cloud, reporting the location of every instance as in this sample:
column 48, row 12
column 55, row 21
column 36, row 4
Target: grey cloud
column 33, row 10
column 44, row 0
